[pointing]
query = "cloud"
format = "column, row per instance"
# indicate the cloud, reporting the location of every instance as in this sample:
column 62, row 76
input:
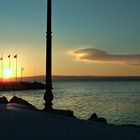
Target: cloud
column 97, row 55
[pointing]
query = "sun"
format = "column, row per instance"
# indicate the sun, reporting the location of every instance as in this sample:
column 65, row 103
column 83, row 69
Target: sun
column 7, row 73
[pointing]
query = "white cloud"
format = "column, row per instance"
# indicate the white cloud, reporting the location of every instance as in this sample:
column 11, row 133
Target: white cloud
column 94, row 55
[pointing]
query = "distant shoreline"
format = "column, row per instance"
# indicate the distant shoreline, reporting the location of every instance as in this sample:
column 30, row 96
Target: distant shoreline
column 84, row 78
column 81, row 78
column 97, row 78
column 16, row 86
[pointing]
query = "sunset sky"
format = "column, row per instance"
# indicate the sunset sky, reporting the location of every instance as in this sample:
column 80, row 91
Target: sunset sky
column 90, row 37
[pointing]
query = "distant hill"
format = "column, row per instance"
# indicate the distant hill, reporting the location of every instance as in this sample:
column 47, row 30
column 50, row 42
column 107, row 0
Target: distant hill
column 84, row 78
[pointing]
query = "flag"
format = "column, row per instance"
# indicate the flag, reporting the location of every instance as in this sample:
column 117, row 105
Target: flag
column 15, row 56
column 1, row 58
column 9, row 56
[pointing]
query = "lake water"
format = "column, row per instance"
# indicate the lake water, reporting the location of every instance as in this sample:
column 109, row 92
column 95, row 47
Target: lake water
column 117, row 101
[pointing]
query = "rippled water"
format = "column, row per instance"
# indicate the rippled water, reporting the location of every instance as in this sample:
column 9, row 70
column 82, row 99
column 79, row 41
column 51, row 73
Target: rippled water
column 119, row 102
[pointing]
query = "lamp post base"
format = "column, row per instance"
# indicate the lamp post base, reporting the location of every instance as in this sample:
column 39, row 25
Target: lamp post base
column 48, row 97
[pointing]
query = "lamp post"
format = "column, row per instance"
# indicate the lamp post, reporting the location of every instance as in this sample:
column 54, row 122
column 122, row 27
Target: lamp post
column 48, row 96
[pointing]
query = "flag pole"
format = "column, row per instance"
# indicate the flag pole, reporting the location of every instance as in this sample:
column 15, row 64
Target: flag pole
column 1, row 67
column 21, row 74
column 48, row 96
column 9, row 61
column 16, row 65
column 34, row 76
column 16, row 68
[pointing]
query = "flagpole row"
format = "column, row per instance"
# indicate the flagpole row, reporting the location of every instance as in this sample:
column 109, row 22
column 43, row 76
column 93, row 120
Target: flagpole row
column 9, row 66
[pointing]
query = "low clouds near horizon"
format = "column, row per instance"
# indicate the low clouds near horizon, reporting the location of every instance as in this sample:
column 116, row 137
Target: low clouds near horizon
column 98, row 55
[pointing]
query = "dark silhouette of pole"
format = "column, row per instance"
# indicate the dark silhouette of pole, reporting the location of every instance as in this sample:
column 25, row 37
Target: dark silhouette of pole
column 16, row 65
column 48, row 96
column 34, row 76
column 22, row 69
column 9, row 61
column 1, row 67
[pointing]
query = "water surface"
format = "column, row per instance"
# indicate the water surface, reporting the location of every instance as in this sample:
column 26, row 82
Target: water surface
column 118, row 101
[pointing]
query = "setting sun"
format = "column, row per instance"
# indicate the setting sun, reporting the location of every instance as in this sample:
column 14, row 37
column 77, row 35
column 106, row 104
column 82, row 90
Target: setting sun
column 7, row 73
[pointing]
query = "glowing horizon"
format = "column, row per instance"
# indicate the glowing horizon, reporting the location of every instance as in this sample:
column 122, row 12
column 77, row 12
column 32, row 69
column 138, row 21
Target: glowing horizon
column 98, row 25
